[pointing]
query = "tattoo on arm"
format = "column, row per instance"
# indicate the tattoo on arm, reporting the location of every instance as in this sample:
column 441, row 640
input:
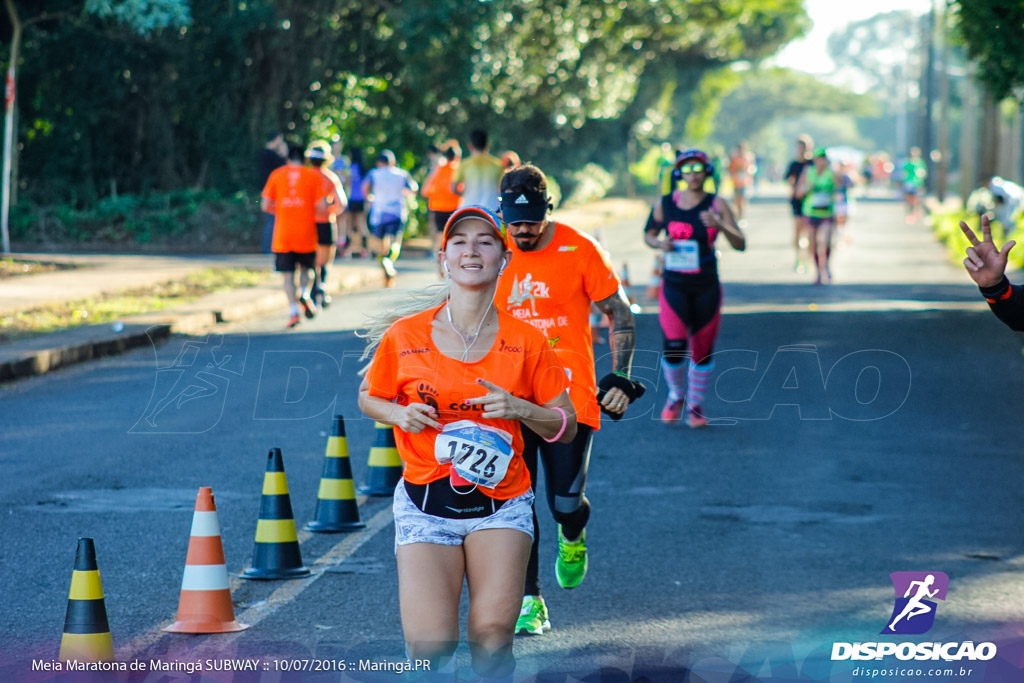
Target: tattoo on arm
column 623, row 331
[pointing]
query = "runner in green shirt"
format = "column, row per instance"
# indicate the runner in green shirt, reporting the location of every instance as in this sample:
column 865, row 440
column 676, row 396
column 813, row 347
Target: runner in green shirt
column 914, row 173
column 818, row 186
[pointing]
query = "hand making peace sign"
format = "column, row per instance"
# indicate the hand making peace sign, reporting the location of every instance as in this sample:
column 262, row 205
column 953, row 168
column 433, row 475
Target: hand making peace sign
column 985, row 263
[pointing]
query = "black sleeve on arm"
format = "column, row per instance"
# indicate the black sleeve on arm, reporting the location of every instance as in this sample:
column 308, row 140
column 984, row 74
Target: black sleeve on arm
column 1007, row 302
column 652, row 226
column 793, row 172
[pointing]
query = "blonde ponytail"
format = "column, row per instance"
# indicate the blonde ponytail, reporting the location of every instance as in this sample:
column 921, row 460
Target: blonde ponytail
column 410, row 303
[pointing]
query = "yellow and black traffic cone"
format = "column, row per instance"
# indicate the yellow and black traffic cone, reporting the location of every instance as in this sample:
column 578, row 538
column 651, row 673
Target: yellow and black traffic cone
column 86, row 630
column 276, row 554
column 336, row 508
column 384, row 468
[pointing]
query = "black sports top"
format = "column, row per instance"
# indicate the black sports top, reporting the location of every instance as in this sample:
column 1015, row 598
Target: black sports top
column 685, row 227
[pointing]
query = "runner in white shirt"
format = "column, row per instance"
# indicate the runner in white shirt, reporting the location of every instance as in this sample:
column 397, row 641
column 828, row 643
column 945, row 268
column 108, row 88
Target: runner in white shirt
column 386, row 188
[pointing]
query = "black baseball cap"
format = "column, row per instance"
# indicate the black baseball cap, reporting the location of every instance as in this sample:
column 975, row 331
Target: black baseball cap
column 524, row 207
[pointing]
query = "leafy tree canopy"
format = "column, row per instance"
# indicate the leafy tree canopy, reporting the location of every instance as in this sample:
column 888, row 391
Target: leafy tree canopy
column 767, row 95
column 880, row 53
column 165, row 94
column 991, row 29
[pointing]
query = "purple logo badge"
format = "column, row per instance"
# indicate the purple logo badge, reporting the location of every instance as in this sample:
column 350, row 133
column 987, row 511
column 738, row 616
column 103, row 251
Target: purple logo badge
column 914, row 611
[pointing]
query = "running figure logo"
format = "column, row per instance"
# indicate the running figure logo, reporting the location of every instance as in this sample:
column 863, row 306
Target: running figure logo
column 521, row 291
column 190, row 391
column 914, row 612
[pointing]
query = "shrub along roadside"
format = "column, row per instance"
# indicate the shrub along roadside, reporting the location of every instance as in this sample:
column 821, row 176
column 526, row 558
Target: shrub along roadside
column 946, row 225
column 190, row 221
column 179, row 221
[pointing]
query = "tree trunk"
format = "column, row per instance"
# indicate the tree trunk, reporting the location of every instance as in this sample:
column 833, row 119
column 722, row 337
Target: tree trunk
column 942, row 174
column 1009, row 143
column 989, row 163
column 15, row 157
column 969, row 138
column 10, row 131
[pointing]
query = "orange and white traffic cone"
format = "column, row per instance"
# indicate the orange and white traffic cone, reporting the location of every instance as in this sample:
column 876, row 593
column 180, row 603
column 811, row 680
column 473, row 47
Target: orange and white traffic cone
column 205, row 602
column 86, row 630
column 654, row 284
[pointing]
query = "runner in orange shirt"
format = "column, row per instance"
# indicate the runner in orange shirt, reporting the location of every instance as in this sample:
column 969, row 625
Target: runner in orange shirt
column 293, row 193
column 437, row 188
column 555, row 273
column 320, row 158
column 461, row 379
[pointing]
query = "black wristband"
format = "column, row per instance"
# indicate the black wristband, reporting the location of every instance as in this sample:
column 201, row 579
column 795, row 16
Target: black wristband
column 632, row 390
column 996, row 290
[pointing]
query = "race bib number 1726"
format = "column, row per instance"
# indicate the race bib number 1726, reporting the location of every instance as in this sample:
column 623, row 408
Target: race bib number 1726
column 479, row 453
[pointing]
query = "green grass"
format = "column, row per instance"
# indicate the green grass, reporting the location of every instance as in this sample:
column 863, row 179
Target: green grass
column 108, row 308
column 11, row 267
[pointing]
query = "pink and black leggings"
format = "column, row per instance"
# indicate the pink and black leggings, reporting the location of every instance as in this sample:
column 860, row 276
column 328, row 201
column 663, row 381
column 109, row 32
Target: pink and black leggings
column 690, row 316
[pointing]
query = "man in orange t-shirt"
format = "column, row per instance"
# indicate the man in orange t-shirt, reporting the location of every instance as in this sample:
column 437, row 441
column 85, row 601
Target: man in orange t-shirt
column 556, row 272
column 294, row 193
column 437, row 188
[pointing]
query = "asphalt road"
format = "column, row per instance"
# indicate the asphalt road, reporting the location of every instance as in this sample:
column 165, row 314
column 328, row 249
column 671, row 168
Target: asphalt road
column 859, row 429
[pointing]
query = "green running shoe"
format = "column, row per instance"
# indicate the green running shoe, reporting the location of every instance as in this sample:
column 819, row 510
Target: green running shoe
column 533, row 617
column 571, row 565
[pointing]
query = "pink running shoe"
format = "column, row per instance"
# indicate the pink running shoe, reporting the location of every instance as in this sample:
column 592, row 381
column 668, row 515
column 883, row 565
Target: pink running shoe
column 696, row 419
column 672, row 411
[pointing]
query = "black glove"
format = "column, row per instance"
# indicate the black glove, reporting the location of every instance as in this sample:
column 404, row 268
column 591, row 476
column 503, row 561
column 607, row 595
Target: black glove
column 632, row 390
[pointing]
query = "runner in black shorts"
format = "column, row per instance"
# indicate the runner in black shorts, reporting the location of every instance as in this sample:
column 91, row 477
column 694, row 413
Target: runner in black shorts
column 319, row 155
column 295, row 234
column 804, row 144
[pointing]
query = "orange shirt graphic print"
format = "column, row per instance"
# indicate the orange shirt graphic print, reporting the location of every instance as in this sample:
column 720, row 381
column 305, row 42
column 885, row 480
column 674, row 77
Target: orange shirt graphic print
column 523, row 290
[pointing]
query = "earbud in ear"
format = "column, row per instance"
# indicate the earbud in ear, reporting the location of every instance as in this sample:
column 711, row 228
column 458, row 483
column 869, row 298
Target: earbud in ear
column 448, row 272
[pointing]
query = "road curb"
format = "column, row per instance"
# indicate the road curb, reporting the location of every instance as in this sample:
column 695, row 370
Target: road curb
column 46, row 353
